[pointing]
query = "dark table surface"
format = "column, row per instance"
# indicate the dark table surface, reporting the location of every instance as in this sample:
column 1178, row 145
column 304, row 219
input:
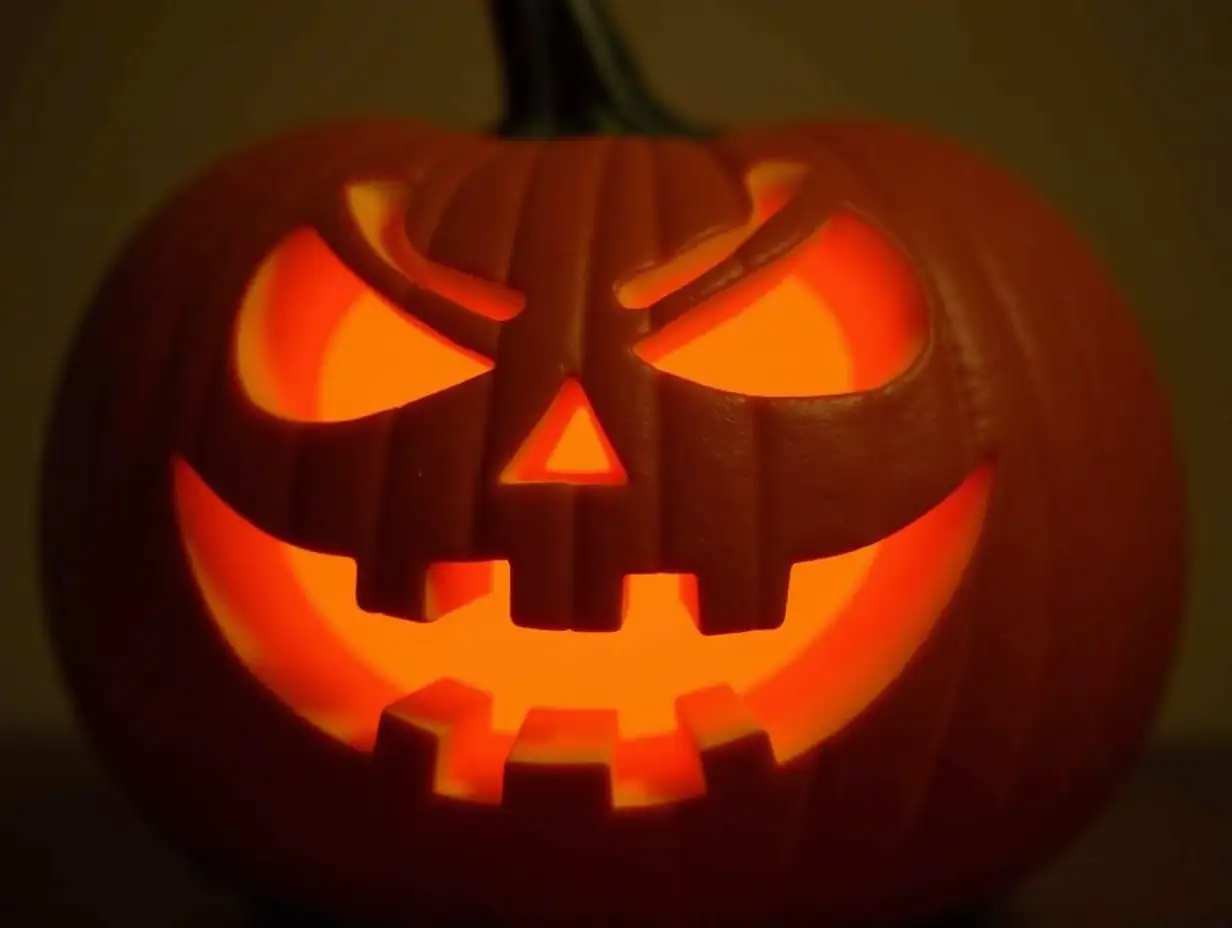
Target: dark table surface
column 73, row 853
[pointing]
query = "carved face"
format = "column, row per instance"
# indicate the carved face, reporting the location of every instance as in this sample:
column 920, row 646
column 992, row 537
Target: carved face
column 557, row 507
column 617, row 473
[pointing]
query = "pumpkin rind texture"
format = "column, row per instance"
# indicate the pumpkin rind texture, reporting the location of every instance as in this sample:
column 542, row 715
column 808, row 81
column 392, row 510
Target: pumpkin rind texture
column 1007, row 724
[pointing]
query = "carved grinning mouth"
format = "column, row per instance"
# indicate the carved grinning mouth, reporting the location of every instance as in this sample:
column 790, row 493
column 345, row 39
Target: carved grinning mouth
column 651, row 703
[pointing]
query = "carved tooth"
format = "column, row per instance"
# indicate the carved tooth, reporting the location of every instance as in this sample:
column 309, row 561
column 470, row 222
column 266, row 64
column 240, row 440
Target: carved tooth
column 741, row 598
column 390, row 587
column 659, row 768
column 598, row 602
column 560, row 764
column 539, row 593
column 423, row 737
column 736, row 755
column 541, row 557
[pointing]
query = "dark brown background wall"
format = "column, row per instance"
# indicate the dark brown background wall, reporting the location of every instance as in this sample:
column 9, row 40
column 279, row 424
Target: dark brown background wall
column 1118, row 110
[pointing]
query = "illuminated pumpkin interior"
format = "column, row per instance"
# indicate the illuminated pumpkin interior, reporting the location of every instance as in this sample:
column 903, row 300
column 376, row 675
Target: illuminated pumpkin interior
column 852, row 623
column 315, row 344
column 841, row 312
column 568, row 445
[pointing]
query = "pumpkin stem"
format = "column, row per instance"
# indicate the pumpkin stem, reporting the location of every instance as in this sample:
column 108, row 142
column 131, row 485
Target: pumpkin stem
column 567, row 72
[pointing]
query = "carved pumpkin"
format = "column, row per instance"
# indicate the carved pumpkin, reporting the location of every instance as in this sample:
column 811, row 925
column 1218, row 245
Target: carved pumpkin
column 631, row 526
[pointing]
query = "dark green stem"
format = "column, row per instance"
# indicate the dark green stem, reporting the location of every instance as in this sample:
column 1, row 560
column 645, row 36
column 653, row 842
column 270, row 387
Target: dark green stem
column 567, row 72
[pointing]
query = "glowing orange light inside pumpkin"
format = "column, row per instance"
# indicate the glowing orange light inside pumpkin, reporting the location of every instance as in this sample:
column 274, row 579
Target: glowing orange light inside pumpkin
column 567, row 445
column 490, row 690
column 452, row 585
column 314, row 343
column 841, row 312
column 852, row 623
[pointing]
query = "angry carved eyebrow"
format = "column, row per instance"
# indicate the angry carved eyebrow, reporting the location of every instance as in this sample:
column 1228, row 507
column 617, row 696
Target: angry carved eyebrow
column 771, row 186
column 376, row 207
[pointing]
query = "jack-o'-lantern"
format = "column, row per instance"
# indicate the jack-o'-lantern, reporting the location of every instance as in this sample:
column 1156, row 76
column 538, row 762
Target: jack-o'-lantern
column 582, row 521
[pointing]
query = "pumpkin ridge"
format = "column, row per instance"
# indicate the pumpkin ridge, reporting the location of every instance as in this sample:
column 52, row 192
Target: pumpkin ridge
column 1025, row 351
column 960, row 249
column 683, row 165
column 500, row 157
column 439, row 186
column 1063, row 339
column 1081, row 304
column 587, row 301
column 169, row 362
column 1081, row 310
column 978, row 627
column 529, row 174
column 139, row 391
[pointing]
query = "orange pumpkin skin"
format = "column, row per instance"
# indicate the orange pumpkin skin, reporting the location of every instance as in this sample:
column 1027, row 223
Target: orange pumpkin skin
column 997, row 741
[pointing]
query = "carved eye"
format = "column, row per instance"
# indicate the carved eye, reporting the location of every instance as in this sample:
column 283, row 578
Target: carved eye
column 840, row 313
column 316, row 344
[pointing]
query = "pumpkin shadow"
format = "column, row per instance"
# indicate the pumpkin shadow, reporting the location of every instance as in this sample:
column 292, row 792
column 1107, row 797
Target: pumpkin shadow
column 75, row 853
column 992, row 914
column 78, row 854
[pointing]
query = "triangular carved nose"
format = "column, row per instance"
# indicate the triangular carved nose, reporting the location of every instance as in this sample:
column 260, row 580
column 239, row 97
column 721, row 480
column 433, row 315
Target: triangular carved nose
column 567, row 445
